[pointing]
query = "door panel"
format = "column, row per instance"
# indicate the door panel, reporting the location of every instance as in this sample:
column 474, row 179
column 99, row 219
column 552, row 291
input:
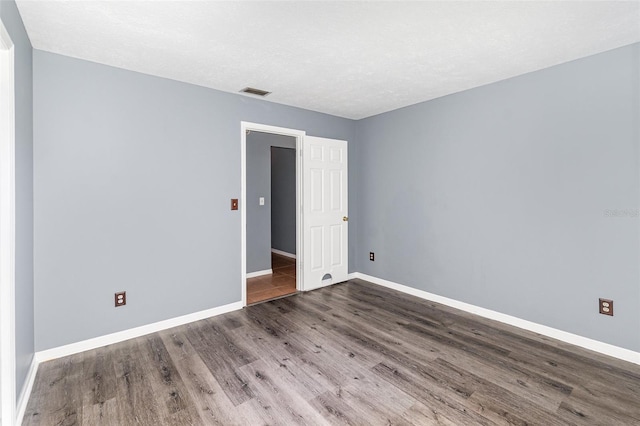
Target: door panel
column 336, row 245
column 325, row 211
column 317, row 248
column 336, row 189
column 317, row 191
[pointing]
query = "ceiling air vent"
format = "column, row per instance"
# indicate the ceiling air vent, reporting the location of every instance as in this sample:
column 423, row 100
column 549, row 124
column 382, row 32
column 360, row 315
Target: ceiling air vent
column 257, row 92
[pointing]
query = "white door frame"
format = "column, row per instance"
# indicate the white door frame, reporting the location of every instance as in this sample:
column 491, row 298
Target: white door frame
column 7, row 229
column 299, row 135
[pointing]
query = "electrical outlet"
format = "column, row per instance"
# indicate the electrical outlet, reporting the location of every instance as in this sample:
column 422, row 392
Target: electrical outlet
column 372, row 256
column 605, row 307
column 121, row 298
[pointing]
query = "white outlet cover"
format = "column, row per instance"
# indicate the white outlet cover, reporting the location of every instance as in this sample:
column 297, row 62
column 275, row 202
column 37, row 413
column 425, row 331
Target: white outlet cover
column 262, row 201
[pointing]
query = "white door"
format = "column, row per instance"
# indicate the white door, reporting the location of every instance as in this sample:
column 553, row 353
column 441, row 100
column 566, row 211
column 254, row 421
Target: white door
column 325, row 212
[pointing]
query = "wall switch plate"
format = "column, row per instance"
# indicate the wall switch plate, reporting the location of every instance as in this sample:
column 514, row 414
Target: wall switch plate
column 121, row 298
column 372, row 256
column 234, row 204
column 605, row 307
column 262, row 201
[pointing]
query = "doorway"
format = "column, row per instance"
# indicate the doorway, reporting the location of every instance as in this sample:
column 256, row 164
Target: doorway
column 253, row 264
column 322, row 226
column 271, row 216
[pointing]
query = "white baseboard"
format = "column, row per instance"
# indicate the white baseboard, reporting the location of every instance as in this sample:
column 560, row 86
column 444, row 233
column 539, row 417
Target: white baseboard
column 259, row 273
column 23, row 399
column 109, row 339
column 131, row 333
column 283, row 253
column 574, row 339
column 73, row 348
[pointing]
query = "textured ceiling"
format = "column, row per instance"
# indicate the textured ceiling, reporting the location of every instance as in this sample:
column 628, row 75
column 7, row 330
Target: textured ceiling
column 351, row 59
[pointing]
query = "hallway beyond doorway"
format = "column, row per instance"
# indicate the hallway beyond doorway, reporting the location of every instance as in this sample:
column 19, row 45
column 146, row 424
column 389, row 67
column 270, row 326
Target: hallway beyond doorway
column 277, row 284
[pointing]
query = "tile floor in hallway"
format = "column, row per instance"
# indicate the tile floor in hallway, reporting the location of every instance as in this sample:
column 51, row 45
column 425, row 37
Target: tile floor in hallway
column 280, row 283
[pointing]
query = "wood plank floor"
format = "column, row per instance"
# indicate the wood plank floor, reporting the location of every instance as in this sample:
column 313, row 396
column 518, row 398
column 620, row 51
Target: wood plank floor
column 354, row 354
column 280, row 283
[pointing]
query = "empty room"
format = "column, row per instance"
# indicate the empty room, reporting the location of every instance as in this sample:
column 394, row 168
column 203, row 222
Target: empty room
column 319, row 212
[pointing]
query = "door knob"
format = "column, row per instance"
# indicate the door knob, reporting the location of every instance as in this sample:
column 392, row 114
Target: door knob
column 345, row 219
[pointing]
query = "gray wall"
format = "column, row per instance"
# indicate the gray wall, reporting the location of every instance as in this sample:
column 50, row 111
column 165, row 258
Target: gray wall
column 24, row 190
column 498, row 196
column 133, row 177
column 259, row 185
column 283, row 199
